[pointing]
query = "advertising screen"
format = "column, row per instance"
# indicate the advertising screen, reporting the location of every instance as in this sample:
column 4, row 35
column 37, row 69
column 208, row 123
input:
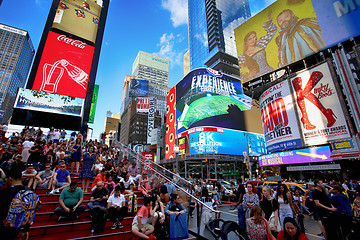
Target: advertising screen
column 307, row 155
column 139, row 88
column 279, row 120
column 78, row 17
column 206, row 97
column 170, row 124
column 318, row 106
column 93, row 104
column 225, row 141
column 46, row 102
column 64, row 67
column 283, row 33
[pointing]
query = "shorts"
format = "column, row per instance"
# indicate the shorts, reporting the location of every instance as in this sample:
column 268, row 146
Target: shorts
column 147, row 227
column 316, row 216
column 60, row 184
column 43, row 185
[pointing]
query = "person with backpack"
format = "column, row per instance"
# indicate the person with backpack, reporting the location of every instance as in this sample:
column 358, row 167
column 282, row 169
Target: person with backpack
column 14, row 198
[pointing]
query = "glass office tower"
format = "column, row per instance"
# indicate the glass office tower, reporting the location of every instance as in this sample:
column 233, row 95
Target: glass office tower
column 16, row 55
column 211, row 33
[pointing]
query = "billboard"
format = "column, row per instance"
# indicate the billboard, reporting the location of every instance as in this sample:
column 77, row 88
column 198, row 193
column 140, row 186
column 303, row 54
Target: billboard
column 170, row 124
column 139, row 88
column 93, row 104
column 78, row 17
column 307, row 155
column 279, row 120
column 205, row 97
column 46, row 102
column 151, row 118
column 225, row 141
column 318, row 106
column 142, row 104
column 64, row 67
column 148, row 164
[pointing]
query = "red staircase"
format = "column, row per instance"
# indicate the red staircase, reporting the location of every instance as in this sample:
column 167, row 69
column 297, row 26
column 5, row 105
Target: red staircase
column 47, row 227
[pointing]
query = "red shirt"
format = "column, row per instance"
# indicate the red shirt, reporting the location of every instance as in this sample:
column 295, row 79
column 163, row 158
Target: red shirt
column 281, row 236
column 99, row 178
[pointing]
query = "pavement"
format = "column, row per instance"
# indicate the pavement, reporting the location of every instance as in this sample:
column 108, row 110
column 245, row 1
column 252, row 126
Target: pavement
column 311, row 227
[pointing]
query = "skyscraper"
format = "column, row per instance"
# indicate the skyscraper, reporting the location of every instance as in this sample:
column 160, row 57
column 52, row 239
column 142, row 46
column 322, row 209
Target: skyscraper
column 211, row 33
column 16, row 55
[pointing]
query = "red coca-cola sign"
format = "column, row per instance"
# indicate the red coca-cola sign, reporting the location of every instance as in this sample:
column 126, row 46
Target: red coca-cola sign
column 64, row 67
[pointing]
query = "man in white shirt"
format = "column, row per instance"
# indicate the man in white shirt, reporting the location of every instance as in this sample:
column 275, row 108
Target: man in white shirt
column 116, row 208
column 56, row 136
column 27, row 145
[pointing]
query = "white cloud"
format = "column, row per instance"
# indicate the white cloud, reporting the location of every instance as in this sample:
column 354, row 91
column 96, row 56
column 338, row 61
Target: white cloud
column 202, row 38
column 167, row 49
column 178, row 10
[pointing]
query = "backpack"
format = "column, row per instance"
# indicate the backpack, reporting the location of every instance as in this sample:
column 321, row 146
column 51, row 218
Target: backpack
column 132, row 204
column 22, row 209
column 98, row 222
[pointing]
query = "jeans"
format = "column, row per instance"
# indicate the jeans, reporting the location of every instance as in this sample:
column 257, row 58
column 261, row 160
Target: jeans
column 241, row 217
column 92, row 204
column 59, row 211
column 283, row 213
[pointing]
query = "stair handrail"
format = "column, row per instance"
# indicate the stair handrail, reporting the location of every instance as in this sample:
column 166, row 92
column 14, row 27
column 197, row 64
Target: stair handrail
column 140, row 159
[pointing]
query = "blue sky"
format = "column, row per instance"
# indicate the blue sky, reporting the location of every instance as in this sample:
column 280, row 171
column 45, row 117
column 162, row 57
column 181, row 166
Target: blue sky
column 156, row 26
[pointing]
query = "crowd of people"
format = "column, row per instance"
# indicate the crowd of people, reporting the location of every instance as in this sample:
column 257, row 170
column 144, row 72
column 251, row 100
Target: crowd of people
column 34, row 160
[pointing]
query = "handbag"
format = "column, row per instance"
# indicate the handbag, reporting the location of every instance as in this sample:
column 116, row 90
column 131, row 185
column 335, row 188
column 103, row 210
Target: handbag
column 272, row 221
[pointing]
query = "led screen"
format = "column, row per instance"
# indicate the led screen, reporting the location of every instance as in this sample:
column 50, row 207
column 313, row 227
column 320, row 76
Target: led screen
column 64, row 67
column 208, row 98
column 78, row 17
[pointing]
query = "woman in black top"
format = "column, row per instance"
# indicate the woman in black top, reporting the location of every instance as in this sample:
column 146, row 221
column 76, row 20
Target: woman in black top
column 269, row 205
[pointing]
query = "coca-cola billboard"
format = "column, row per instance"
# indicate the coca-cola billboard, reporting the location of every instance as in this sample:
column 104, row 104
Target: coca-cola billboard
column 64, row 67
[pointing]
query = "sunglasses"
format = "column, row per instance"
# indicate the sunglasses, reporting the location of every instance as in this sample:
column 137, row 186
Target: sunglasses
column 47, row 167
column 63, row 167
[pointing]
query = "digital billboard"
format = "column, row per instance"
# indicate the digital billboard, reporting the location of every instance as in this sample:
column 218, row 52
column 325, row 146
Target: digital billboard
column 78, row 17
column 170, row 124
column 142, row 104
column 205, row 97
column 139, row 88
column 283, row 33
column 307, row 155
column 226, row 141
column 279, row 119
column 64, row 67
column 46, row 102
column 318, row 106
column 93, row 104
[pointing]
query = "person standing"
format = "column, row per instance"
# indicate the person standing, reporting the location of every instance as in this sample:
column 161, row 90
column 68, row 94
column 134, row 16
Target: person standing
column 325, row 209
column 77, row 156
column 240, row 192
column 87, row 170
column 286, row 205
column 271, row 208
column 250, row 199
column 257, row 226
column 344, row 211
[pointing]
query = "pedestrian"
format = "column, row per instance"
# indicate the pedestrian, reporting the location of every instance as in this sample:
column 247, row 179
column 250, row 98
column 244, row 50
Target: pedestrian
column 286, row 206
column 270, row 207
column 87, row 170
column 240, row 192
column 291, row 231
column 250, row 199
column 258, row 227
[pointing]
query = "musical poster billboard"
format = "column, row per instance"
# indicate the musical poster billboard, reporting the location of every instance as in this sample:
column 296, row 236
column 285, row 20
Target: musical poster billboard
column 64, row 67
column 139, row 88
column 283, row 33
column 46, row 102
column 306, row 155
column 142, row 104
column 318, row 106
column 279, row 119
column 78, row 17
column 205, row 97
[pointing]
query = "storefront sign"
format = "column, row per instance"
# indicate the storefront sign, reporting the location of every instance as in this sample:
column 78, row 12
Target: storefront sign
column 314, row 167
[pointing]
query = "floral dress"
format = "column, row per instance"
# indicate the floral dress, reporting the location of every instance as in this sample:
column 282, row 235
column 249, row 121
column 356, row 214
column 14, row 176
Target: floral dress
column 256, row 231
column 88, row 162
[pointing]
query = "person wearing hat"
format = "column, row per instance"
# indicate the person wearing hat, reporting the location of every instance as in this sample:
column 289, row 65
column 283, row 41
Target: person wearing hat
column 28, row 176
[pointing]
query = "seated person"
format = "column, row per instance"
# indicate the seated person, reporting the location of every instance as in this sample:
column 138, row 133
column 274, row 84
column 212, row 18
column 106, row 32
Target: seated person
column 44, row 178
column 70, row 203
column 117, row 208
column 59, row 179
column 101, row 177
column 141, row 226
column 28, row 176
column 99, row 196
column 174, row 206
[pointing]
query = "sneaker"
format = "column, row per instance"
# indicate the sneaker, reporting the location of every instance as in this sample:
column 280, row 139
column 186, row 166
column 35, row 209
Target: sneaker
column 57, row 190
column 114, row 226
column 52, row 192
column 320, row 234
column 61, row 218
column 152, row 237
column 120, row 225
column 92, row 231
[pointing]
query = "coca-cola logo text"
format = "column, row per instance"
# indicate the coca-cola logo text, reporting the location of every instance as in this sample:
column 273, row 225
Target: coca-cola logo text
column 75, row 43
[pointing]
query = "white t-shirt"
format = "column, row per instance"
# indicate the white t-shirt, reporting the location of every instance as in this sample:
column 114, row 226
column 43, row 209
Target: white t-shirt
column 116, row 201
column 99, row 166
column 57, row 135
column 28, row 144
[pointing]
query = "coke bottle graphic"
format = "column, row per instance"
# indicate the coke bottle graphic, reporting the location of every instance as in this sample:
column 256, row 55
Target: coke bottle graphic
column 76, row 74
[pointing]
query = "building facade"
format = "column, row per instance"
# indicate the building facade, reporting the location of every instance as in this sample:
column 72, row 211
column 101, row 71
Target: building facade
column 211, row 33
column 16, row 55
column 186, row 63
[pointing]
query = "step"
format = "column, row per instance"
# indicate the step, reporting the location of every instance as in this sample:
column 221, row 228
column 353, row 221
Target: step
column 84, row 223
column 55, row 197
